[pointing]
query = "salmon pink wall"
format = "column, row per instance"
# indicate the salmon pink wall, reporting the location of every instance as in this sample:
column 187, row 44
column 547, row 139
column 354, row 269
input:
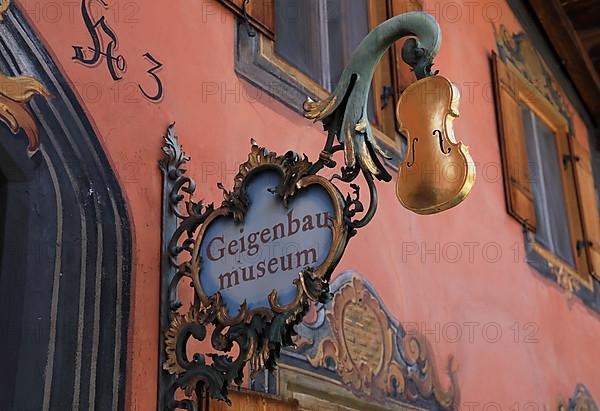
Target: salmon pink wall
column 408, row 258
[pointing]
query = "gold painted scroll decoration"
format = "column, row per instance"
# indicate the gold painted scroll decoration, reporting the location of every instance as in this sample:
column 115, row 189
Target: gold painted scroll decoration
column 15, row 93
column 517, row 49
column 4, row 5
column 265, row 323
column 362, row 346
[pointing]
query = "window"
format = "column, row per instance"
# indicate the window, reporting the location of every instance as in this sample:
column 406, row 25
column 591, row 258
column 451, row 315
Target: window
column 552, row 230
column 319, row 36
column 307, row 46
column 547, row 175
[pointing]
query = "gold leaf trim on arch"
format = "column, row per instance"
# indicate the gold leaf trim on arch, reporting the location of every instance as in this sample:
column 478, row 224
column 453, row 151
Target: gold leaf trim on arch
column 363, row 351
column 15, row 93
column 4, row 5
column 517, row 49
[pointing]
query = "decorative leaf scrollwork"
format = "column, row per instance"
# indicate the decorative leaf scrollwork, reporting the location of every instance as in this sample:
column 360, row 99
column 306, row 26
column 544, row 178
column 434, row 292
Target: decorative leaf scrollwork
column 15, row 93
column 192, row 214
column 258, row 341
column 257, row 335
column 373, row 358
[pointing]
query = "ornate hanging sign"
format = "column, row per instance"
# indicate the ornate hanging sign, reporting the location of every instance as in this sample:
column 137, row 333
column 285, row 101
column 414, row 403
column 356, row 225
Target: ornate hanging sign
column 255, row 262
column 259, row 260
column 278, row 221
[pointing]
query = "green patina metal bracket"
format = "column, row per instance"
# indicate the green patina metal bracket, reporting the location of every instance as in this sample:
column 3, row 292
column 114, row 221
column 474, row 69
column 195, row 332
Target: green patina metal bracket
column 344, row 113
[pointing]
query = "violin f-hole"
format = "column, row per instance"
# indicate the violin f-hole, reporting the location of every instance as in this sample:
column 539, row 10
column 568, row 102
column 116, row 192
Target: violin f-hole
column 412, row 149
column 439, row 134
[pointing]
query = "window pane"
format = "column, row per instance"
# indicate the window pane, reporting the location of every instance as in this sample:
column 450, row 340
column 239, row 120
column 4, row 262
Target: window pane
column 548, row 192
column 318, row 37
column 298, row 35
column 348, row 24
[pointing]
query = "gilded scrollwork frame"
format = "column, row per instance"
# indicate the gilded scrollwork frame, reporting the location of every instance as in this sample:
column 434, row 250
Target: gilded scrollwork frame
column 401, row 367
column 294, row 174
column 15, row 94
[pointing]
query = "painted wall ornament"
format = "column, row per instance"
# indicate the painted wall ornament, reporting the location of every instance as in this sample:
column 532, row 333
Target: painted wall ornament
column 580, row 401
column 15, row 93
column 116, row 64
column 252, row 294
column 373, row 355
column 517, row 49
column 99, row 30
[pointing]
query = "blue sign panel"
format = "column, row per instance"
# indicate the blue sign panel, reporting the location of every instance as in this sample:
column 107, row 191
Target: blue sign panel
column 245, row 262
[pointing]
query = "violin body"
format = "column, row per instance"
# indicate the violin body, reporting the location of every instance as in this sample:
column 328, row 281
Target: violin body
column 438, row 172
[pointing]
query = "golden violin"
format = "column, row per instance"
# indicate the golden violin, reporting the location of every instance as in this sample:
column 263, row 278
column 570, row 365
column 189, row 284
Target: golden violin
column 438, row 172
